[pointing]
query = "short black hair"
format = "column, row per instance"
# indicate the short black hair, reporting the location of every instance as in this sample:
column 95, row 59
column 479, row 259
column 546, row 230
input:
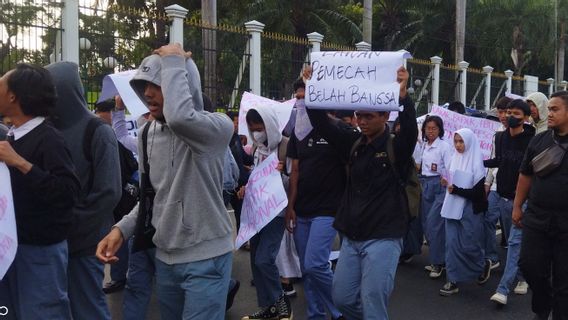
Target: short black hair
column 521, row 105
column 232, row 114
column 563, row 95
column 104, row 106
column 502, row 103
column 457, row 106
column 34, row 88
column 299, row 84
column 344, row 113
column 253, row 117
column 439, row 123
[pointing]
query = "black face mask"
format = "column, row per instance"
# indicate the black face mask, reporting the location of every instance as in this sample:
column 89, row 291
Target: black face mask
column 513, row 122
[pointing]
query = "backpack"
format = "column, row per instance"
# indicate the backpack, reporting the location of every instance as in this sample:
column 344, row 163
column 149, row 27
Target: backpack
column 128, row 171
column 231, row 172
column 410, row 182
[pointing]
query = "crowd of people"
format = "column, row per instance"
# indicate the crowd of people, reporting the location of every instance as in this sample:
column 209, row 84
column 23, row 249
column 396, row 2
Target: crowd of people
column 82, row 200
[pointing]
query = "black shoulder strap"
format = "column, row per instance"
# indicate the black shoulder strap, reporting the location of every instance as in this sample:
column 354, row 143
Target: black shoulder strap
column 351, row 154
column 145, row 148
column 92, row 126
column 392, row 158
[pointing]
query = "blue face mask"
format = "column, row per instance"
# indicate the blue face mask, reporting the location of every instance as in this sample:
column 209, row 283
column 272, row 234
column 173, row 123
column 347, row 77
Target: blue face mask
column 513, row 122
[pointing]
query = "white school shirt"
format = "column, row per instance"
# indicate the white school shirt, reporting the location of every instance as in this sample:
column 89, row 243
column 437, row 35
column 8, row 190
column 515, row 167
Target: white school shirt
column 436, row 158
column 25, row 128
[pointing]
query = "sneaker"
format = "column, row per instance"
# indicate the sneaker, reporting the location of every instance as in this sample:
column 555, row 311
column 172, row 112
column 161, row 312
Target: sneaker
column 234, row 286
column 405, row 258
column 495, row 264
column 486, row 273
column 429, row 267
column 288, row 289
column 284, row 308
column 448, row 289
column 499, row 298
column 436, row 271
column 114, row 286
column 268, row 313
column 521, row 288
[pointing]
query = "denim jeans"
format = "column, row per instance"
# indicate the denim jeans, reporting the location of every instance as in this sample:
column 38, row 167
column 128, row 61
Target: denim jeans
column 118, row 270
column 88, row 301
column 194, row 290
column 264, row 247
column 364, row 277
column 511, row 272
column 35, row 286
column 489, row 226
column 314, row 238
column 506, row 211
column 139, row 283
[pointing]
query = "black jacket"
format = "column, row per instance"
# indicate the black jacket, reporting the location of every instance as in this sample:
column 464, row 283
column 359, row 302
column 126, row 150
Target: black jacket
column 372, row 205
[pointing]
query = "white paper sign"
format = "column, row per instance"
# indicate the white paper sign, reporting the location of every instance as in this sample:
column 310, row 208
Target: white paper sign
column 119, row 84
column 453, row 205
column 484, row 129
column 265, row 198
column 250, row 100
column 8, row 231
column 354, row 80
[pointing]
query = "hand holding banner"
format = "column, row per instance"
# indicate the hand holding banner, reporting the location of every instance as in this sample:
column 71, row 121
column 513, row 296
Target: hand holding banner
column 8, row 230
column 119, row 84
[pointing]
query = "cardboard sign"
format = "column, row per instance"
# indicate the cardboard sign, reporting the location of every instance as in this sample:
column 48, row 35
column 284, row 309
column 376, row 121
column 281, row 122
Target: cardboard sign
column 119, row 84
column 250, row 100
column 355, row 80
column 265, row 198
column 8, row 231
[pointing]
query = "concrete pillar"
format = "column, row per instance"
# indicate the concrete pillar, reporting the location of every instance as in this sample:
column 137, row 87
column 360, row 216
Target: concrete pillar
column 509, row 75
column 463, row 81
column 70, row 26
column 255, row 28
column 487, row 101
column 363, row 46
column 315, row 39
column 550, row 82
column 564, row 84
column 436, row 61
column 177, row 14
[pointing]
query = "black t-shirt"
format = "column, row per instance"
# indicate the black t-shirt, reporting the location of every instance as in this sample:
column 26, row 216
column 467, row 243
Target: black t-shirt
column 548, row 196
column 321, row 180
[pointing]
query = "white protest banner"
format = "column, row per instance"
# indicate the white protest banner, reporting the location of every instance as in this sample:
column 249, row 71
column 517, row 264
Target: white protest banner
column 265, row 198
column 119, row 84
column 8, row 231
column 354, row 80
column 250, row 100
column 484, row 129
column 131, row 125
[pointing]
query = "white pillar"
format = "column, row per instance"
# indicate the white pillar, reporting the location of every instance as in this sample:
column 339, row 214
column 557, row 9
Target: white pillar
column 177, row 14
column 254, row 28
column 315, row 39
column 550, row 82
column 70, row 26
column 363, row 46
column 463, row 81
column 509, row 75
column 436, row 61
column 564, row 84
column 487, row 101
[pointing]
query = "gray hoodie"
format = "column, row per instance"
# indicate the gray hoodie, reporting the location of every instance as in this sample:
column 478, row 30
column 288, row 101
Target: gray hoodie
column 541, row 102
column 3, row 132
column 185, row 155
column 92, row 214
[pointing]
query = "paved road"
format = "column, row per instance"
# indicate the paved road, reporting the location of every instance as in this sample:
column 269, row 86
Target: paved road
column 415, row 297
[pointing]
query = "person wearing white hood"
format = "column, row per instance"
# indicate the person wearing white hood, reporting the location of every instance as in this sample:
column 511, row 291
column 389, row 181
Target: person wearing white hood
column 264, row 246
column 465, row 257
column 538, row 103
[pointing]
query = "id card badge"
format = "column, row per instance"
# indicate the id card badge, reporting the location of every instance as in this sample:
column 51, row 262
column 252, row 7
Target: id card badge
column 434, row 167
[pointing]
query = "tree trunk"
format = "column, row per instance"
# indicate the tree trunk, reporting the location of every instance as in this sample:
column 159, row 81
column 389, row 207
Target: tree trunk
column 209, row 45
column 460, row 36
column 561, row 53
column 368, row 21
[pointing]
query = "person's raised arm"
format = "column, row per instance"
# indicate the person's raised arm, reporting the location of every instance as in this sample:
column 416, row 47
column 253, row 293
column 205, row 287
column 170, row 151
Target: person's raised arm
column 405, row 142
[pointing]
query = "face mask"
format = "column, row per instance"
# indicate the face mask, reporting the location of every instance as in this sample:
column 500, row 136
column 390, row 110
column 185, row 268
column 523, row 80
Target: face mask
column 514, row 122
column 259, row 136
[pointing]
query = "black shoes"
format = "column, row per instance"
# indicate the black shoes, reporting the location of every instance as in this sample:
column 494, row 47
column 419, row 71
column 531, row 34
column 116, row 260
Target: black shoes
column 114, row 286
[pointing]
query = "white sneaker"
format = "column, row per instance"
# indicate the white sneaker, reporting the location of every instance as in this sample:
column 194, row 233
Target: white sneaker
column 499, row 298
column 521, row 288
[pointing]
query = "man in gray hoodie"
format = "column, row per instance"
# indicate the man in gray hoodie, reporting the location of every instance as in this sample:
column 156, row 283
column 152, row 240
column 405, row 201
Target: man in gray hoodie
column 100, row 191
column 186, row 148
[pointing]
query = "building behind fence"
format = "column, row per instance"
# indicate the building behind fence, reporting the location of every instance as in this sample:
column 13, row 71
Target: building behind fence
column 231, row 59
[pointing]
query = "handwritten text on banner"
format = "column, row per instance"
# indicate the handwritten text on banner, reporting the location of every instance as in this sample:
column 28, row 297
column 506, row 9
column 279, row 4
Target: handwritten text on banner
column 8, row 231
column 265, row 198
column 354, row 80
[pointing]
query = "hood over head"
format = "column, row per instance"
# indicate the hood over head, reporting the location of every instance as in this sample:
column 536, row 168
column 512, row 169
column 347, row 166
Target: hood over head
column 271, row 126
column 150, row 71
column 71, row 105
column 541, row 102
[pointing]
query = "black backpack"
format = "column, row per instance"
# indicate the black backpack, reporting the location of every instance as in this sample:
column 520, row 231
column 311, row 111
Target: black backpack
column 128, row 169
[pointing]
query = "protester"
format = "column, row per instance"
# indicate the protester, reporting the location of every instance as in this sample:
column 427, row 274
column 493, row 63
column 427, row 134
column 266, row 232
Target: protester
column 45, row 188
column 434, row 159
column 299, row 93
column 372, row 215
column 538, row 103
column 457, row 106
column 98, row 170
column 465, row 259
column 544, row 247
column 264, row 246
column 317, row 181
column 348, row 117
column 186, row 147
column 510, row 146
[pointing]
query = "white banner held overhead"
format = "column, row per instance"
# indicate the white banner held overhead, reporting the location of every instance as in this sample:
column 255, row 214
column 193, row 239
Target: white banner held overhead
column 8, row 230
column 250, row 100
column 265, row 198
column 355, row 80
column 119, row 84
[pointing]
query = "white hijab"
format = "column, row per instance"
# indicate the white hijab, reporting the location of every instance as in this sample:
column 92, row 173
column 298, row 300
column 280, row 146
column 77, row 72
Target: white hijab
column 471, row 160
